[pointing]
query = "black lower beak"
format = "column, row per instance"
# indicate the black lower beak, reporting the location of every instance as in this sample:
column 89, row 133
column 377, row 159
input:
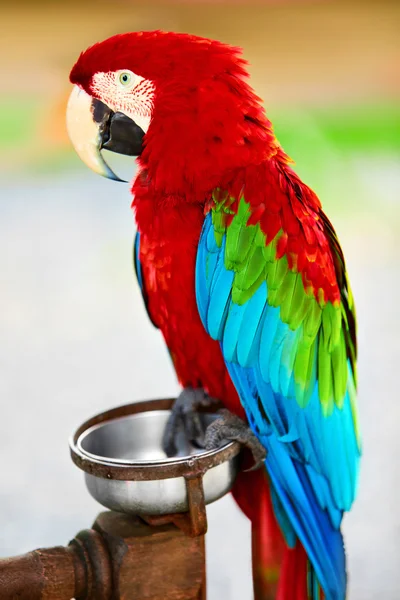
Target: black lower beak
column 119, row 133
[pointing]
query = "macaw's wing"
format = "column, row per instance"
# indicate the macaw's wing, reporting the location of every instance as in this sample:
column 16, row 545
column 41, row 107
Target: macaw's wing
column 271, row 287
column 139, row 275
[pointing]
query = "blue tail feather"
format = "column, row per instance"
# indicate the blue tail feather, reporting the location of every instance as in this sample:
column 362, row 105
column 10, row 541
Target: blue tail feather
column 322, row 542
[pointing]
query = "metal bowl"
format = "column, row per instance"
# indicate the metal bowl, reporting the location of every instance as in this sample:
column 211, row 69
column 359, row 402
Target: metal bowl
column 127, row 470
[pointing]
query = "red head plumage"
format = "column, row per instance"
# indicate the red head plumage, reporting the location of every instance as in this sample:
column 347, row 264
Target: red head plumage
column 204, row 118
column 159, row 56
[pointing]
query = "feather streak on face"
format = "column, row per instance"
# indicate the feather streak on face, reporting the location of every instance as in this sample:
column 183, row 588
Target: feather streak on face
column 134, row 100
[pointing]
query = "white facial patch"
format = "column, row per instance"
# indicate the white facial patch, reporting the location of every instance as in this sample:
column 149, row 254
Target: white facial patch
column 124, row 91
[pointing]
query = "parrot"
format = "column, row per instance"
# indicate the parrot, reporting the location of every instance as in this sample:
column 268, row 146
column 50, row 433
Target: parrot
column 242, row 272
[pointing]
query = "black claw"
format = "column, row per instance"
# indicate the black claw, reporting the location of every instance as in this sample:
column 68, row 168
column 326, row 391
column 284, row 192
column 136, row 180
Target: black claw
column 193, row 427
column 184, row 416
column 170, row 432
column 259, row 459
column 226, row 427
column 231, row 427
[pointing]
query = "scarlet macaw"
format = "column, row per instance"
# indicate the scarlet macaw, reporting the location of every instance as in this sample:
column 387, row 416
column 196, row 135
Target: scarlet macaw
column 243, row 273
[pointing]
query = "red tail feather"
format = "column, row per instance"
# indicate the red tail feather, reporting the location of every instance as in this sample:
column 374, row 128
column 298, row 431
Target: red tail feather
column 293, row 580
column 279, row 572
column 251, row 492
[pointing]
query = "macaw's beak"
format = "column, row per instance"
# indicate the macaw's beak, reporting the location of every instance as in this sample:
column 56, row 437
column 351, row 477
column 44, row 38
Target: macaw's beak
column 92, row 126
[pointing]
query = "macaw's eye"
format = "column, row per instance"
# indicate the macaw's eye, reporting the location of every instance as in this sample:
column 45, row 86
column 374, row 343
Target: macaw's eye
column 125, row 78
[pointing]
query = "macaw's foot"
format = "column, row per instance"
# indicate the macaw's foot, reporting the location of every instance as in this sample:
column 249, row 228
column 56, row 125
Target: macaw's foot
column 184, row 416
column 230, row 427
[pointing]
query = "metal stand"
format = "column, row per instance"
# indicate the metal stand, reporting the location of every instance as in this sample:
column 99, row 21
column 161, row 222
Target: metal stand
column 120, row 558
column 126, row 557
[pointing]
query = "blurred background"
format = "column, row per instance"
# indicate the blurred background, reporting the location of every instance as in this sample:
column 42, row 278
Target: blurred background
column 74, row 337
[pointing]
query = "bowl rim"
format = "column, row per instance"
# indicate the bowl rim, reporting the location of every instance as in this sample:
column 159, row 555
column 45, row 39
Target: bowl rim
column 127, row 461
column 126, row 470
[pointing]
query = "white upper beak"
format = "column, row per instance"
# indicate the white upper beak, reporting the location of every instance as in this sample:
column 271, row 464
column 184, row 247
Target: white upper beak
column 85, row 133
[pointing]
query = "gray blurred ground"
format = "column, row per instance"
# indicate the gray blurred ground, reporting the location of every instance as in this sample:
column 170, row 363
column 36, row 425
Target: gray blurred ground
column 75, row 340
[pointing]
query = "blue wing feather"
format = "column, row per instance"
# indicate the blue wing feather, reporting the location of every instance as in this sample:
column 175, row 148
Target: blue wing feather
column 270, row 325
column 246, row 342
column 221, row 285
column 231, row 331
column 136, row 260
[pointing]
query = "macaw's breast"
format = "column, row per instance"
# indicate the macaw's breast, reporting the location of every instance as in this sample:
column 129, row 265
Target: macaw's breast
column 168, row 247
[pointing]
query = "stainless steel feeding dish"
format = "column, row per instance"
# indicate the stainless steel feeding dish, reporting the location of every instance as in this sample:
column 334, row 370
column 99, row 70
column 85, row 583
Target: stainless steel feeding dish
column 127, row 470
